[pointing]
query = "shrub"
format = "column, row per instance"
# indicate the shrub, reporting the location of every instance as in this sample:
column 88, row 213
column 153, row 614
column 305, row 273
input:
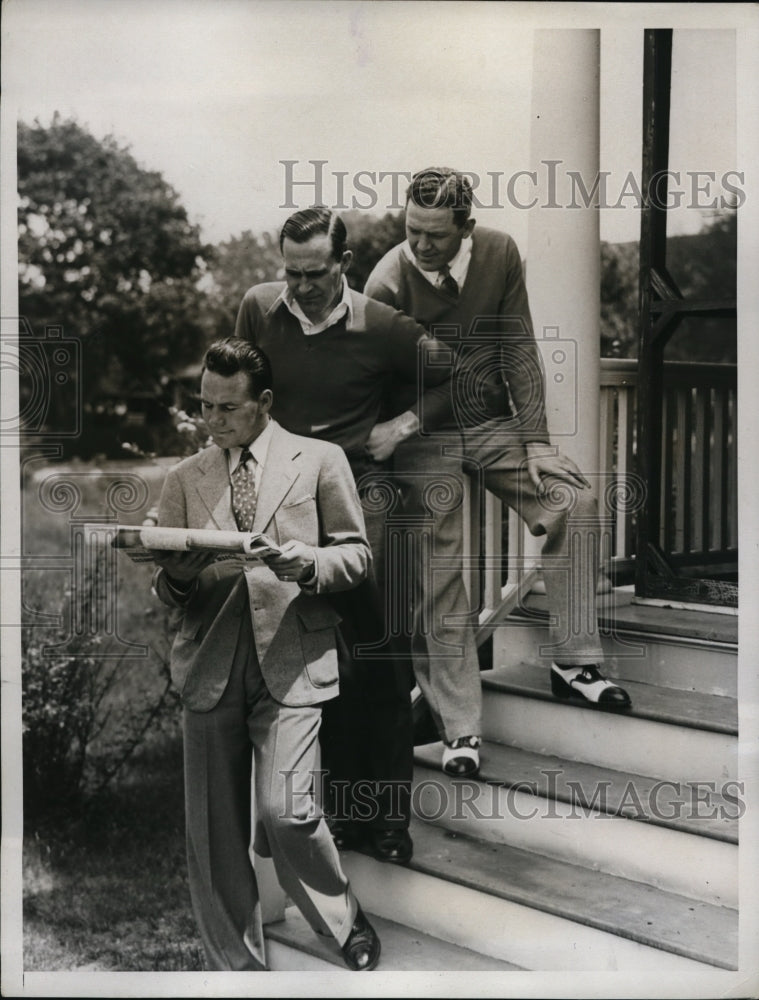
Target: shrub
column 84, row 713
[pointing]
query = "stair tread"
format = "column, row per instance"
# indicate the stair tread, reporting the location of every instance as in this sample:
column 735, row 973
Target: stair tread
column 404, row 949
column 692, row 709
column 633, row 796
column 618, row 610
column 655, row 917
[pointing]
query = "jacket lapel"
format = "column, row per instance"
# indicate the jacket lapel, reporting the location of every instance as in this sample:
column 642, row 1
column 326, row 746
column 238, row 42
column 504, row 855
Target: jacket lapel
column 214, row 489
column 279, row 474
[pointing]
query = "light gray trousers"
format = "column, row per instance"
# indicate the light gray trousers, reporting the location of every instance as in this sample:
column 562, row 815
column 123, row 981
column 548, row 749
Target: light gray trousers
column 250, row 745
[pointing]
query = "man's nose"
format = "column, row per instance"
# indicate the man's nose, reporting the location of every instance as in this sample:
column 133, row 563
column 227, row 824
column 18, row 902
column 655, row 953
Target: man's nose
column 423, row 243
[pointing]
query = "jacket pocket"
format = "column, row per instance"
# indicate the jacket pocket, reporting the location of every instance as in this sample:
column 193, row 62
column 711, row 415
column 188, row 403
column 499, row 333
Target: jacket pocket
column 319, row 643
column 298, row 501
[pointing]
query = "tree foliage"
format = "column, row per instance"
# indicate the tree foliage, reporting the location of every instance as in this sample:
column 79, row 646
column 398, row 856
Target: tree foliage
column 370, row 237
column 703, row 266
column 239, row 263
column 106, row 252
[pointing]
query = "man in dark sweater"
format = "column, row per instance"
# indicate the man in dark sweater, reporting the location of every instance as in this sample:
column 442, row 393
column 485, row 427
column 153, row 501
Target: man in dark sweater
column 334, row 353
column 466, row 286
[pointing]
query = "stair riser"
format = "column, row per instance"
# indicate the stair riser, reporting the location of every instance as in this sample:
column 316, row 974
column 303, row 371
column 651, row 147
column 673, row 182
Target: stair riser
column 608, row 739
column 509, row 931
column 709, row 668
column 669, row 859
column 283, row 958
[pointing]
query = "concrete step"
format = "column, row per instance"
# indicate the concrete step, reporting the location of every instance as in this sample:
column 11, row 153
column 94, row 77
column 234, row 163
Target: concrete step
column 292, row 946
column 668, row 647
column 683, row 736
column 677, row 838
column 540, row 913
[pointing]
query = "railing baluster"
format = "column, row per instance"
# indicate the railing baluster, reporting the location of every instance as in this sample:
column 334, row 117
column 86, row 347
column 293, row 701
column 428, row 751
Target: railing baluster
column 731, row 503
column 686, row 450
column 724, row 536
column 701, row 469
column 625, row 425
column 698, row 513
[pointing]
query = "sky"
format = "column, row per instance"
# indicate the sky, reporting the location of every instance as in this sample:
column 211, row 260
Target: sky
column 216, row 95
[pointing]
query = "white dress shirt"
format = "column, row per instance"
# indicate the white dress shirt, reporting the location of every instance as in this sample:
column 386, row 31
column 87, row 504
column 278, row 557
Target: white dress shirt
column 458, row 266
column 343, row 307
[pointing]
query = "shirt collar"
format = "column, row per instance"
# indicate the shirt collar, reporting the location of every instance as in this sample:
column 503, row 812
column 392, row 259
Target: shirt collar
column 458, row 265
column 344, row 307
column 259, row 449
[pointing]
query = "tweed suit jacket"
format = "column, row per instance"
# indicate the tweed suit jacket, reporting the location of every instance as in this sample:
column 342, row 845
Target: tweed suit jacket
column 307, row 493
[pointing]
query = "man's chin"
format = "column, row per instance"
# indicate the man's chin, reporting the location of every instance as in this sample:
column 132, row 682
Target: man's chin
column 428, row 265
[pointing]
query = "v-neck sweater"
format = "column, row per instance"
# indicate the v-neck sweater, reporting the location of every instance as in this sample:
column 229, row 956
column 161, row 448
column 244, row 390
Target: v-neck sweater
column 332, row 384
column 488, row 324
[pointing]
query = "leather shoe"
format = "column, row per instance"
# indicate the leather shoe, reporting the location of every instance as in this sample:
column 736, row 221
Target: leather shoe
column 347, row 836
column 589, row 685
column 361, row 951
column 392, row 845
column 461, row 758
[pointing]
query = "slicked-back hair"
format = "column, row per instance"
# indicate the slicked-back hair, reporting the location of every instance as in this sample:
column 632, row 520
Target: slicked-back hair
column 317, row 221
column 231, row 355
column 442, row 187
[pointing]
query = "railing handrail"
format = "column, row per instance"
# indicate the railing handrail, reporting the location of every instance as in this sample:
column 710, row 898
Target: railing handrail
column 624, row 371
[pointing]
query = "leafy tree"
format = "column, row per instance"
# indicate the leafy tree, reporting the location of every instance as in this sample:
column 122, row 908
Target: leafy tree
column 370, row 237
column 619, row 299
column 106, row 252
column 238, row 263
column 703, row 265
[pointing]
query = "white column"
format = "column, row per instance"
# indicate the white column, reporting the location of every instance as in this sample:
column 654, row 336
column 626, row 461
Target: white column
column 563, row 249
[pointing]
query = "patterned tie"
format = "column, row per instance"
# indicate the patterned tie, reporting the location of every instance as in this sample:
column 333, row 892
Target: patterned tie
column 244, row 492
column 447, row 282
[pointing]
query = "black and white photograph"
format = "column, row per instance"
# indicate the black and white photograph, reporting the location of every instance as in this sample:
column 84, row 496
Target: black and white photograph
column 379, row 520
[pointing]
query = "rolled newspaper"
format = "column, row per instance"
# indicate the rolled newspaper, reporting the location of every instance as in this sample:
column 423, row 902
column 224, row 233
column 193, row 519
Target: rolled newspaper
column 138, row 541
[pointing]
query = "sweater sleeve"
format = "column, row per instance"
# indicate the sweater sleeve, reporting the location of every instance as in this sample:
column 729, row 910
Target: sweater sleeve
column 421, row 360
column 248, row 317
column 381, row 287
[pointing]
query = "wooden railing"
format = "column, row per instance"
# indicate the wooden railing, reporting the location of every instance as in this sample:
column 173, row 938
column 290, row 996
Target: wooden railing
column 698, row 516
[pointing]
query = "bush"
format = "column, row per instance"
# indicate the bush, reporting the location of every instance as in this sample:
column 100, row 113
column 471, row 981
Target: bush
column 84, row 714
column 89, row 697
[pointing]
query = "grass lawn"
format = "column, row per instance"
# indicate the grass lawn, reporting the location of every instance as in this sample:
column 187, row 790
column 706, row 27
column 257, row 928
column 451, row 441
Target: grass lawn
column 105, row 884
column 107, row 890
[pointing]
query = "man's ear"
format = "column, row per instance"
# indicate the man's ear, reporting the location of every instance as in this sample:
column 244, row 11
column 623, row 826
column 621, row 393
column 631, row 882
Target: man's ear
column 265, row 400
column 346, row 261
column 467, row 228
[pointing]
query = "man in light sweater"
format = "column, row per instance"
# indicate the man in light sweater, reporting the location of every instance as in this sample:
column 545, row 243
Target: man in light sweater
column 465, row 284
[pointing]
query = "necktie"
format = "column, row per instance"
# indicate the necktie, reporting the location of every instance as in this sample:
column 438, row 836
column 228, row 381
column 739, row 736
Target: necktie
column 244, row 492
column 447, row 282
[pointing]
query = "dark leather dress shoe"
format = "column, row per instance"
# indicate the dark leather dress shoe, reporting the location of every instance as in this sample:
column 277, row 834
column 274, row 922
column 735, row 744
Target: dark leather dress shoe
column 461, row 757
column 392, row 845
column 347, row 836
column 588, row 684
column 361, row 951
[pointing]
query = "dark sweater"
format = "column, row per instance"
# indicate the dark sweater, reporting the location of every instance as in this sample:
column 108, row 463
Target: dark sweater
column 332, row 384
column 490, row 326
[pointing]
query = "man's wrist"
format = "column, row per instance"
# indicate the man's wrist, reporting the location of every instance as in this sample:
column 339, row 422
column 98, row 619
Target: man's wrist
column 309, row 577
column 537, row 449
column 406, row 425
